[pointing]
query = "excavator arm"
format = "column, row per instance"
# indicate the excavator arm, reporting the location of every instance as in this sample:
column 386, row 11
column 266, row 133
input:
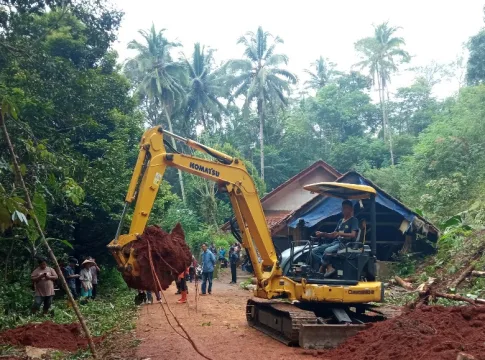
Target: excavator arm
column 231, row 176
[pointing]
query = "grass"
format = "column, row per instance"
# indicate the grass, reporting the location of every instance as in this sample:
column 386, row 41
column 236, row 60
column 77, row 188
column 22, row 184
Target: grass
column 114, row 312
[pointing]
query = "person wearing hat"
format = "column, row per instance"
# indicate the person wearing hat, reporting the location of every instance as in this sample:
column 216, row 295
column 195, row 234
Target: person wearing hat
column 86, row 278
column 71, row 276
column 43, row 277
column 94, row 272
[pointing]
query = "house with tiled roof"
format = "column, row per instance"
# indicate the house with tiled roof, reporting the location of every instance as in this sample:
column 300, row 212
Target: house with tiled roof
column 283, row 200
column 293, row 214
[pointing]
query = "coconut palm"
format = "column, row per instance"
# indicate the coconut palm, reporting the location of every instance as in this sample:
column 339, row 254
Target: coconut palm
column 205, row 87
column 382, row 54
column 157, row 77
column 259, row 77
column 320, row 74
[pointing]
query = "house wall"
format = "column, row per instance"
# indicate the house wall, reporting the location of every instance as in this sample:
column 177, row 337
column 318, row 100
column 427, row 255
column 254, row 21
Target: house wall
column 293, row 195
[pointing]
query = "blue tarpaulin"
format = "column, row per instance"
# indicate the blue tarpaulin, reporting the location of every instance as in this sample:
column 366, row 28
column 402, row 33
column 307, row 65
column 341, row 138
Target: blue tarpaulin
column 332, row 206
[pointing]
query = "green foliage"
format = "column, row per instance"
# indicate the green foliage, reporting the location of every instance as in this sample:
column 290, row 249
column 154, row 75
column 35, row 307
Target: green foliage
column 449, row 159
column 15, row 303
column 475, row 73
column 110, row 310
column 261, row 77
column 405, row 264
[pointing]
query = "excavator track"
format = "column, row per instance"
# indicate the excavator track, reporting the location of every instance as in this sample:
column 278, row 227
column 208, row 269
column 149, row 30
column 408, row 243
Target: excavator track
column 280, row 320
column 296, row 327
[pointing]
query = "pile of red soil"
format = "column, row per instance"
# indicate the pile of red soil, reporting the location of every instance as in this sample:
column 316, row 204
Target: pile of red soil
column 428, row 333
column 170, row 255
column 47, row 335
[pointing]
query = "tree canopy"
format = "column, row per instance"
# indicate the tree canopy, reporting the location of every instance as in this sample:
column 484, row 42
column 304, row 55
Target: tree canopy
column 76, row 112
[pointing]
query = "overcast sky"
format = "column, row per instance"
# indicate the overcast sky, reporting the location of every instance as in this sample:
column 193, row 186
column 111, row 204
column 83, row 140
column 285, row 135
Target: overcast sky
column 433, row 30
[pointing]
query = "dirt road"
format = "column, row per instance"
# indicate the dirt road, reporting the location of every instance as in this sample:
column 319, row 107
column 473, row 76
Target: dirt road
column 218, row 328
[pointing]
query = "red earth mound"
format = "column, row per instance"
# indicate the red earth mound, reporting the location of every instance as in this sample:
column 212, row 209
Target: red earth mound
column 428, row 333
column 66, row 337
column 170, row 254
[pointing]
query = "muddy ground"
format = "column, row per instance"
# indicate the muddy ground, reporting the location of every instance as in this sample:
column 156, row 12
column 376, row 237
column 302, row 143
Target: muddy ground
column 218, row 328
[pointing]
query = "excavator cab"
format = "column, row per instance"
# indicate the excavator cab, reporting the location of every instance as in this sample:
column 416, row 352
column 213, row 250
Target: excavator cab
column 354, row 261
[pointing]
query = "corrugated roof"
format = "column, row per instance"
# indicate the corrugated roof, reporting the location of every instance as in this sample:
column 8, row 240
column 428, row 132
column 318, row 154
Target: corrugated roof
column 313, row 202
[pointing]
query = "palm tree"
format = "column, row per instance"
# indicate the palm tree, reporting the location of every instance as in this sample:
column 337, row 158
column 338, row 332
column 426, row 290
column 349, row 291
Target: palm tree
column 205, row 87
column 382, row 54
column 319, row 74
column 204, row 91
column 259, row 77
column 157, row 77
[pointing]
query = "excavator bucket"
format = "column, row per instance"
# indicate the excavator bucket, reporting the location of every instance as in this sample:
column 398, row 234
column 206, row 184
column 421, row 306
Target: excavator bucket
column 325, row 336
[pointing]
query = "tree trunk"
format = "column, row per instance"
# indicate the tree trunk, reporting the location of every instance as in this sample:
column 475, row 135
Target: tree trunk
column 181, row 179
column 385, row 125
column 403, row 284
column 213, row 203
column 30, row 206
column 462, row 276
column 478, row 273
column 389, row 132
column 261, row 134
column 459, row 298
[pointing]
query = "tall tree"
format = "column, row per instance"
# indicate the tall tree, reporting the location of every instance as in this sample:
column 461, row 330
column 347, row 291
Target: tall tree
column 158, row 77
column 475, row 72
column 320, row 74
column 381, row 54
column 205, row 87
column 259, row 77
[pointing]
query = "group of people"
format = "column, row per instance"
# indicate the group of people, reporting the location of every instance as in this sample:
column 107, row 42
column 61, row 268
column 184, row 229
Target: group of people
column 85, row 279
column 234, row 257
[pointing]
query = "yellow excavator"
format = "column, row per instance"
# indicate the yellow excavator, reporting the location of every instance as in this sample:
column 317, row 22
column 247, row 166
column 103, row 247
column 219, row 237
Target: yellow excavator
column 294, row 304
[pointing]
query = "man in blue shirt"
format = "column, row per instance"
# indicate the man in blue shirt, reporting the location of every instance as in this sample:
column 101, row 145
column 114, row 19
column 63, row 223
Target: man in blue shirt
column 71, row 276
column 208, row 263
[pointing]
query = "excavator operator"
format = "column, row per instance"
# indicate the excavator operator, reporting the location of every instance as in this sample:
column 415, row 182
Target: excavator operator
column 346, row 231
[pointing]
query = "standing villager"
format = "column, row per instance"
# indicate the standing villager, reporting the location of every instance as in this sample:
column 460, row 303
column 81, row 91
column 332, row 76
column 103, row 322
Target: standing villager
column 222, row 257
column 43, row 278
column 86, row 278
column 213, row 249
column 71, row 276
column 208, row 263
column 192, row 269
column 183, row 287
column 234, row 258
column 94, row 274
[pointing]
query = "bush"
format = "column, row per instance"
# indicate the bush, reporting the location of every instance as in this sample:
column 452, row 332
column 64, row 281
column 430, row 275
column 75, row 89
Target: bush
column 15, row 303
column 111, row 309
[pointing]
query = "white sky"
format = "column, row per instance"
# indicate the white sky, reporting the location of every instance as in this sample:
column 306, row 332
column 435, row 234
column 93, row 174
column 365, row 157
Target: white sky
column 433, row 29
